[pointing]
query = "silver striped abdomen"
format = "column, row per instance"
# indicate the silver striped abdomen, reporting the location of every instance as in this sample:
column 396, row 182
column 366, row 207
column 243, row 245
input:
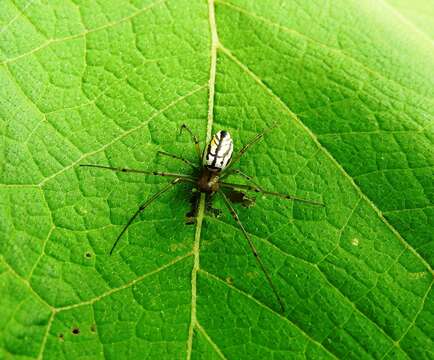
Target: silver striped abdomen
column 219, row 151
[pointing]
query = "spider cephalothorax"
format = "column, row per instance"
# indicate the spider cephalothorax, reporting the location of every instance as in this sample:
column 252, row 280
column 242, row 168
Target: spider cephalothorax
column 213, row 167
column 208, row 181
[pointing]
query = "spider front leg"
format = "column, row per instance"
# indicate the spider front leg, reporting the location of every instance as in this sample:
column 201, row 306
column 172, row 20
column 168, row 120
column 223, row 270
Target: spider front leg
column 142, row 207
column 151, row 173
column 243, row 175
column 253, row 248
column 173, row 156
column 249, row 144
column 195, row 141
column 237, row 196
column 265, row 192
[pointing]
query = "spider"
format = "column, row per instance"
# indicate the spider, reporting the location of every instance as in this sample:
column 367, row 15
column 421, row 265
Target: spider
column 214, row 166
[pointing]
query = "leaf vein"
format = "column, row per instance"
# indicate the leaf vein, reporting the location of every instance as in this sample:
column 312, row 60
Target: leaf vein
column 326, row 152
column 47, row 332
column 213, row 344
column 337, row 50
column 26, row 283
column 84, row 33
column 17, row 16
column 122, row 135
column 126, row 285
column 406, row 21
column 322, row 274
column 216, row 278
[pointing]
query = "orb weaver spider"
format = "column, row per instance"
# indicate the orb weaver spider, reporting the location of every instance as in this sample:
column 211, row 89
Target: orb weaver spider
column 213, row 167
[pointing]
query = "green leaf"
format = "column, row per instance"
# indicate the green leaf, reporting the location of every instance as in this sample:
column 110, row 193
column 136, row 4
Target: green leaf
column 350, row 85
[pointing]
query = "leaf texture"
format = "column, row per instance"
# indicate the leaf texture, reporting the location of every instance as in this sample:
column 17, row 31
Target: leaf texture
column 350, row 85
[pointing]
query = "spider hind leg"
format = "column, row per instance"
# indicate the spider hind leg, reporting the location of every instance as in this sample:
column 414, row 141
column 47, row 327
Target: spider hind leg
column 190, row 216
column 239, row 197
column 210, row 210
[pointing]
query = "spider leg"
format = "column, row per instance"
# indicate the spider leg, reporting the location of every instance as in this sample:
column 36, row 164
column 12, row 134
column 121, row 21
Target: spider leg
column 251, row 142
column 240, row 197
column 253, row 248
column 152, row 173
column 188, row 162
column 195, row 141
column 142, row 207
column 243, row 175
column 265, row 192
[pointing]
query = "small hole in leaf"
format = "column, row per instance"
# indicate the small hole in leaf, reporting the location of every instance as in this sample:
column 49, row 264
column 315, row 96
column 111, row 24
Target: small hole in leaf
column 61, row 337
column 93, row 327
column 88, row 254
column 76, row 331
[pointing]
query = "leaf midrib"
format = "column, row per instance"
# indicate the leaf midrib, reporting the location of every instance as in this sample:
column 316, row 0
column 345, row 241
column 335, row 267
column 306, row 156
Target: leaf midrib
column 215, row 45
column 201, row 206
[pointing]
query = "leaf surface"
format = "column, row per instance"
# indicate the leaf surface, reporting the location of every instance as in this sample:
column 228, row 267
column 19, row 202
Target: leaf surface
column 350, row 85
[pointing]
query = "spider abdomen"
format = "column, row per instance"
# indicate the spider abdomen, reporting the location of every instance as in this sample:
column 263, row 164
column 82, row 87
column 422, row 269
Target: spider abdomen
column 219, row 151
